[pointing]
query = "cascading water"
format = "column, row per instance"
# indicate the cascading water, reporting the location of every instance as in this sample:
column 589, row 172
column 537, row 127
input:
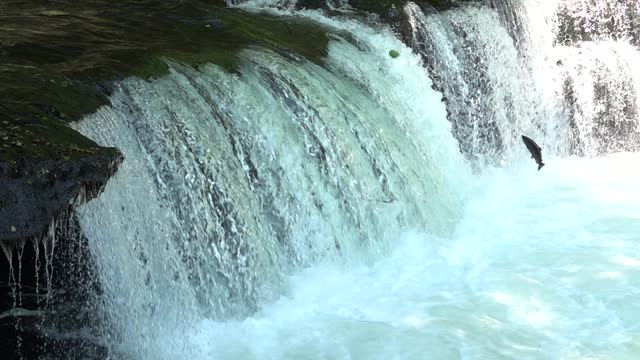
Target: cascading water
column 491, row 93
column 232, row 181
column 594, row 46
column 601, row 82
column 294, row 210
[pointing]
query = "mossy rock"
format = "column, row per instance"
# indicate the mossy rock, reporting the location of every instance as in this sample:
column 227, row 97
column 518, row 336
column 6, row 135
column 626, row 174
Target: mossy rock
column 59, row 59
column 58, row 62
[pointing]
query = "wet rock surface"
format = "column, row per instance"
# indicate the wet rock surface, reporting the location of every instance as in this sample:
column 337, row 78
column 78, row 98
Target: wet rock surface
column 47, row 294
column 58, row 62
column 34, row 192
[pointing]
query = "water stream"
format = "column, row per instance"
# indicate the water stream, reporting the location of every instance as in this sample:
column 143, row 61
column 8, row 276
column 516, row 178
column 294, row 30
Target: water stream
column 377, row 208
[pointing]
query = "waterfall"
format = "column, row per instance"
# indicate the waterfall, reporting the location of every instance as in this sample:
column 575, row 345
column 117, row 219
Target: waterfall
column 597, row 47
column 601, row 86
column 492, row 93
column 567, row 78
column 367, row 206
column 233, row 180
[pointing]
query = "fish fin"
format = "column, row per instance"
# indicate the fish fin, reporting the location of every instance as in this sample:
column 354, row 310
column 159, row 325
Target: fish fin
column 540, row 166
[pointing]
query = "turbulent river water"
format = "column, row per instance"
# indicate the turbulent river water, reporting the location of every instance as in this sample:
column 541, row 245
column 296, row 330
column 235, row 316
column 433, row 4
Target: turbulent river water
column 373, row 207
column 540, row 267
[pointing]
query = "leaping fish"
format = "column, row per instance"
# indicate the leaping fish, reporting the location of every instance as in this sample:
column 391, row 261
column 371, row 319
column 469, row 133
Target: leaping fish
column 535, row 150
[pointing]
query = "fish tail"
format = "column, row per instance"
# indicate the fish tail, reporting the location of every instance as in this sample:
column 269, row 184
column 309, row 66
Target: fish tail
column 540, row 166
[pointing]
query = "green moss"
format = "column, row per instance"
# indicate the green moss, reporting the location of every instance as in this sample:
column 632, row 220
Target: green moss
column 58, row 59
column 295, row 34
column 44, row 139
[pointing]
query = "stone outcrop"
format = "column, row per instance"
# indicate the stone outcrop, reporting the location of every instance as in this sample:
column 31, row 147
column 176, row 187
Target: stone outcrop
column 35, row 192
column 58, row 62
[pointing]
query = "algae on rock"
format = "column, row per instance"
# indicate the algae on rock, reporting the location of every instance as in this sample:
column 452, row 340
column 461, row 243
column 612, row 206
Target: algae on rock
column 58, row 61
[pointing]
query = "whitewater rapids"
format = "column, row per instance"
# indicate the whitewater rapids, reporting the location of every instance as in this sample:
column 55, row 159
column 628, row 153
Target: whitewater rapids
column 544, row 265
column 298, row 211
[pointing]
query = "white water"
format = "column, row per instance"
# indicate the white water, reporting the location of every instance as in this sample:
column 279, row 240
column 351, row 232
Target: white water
column 493, row 94
column 233, row 181
column 603, row 78
column 364, row 236
column 544, row 265
column 594, row 67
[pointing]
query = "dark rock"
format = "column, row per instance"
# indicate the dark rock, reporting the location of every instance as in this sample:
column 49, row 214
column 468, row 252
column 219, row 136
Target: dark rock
column 59, row 63
column 60, row 287
column 312, row 4
column 35, row 192
column 510, row 14
column 389, row 11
